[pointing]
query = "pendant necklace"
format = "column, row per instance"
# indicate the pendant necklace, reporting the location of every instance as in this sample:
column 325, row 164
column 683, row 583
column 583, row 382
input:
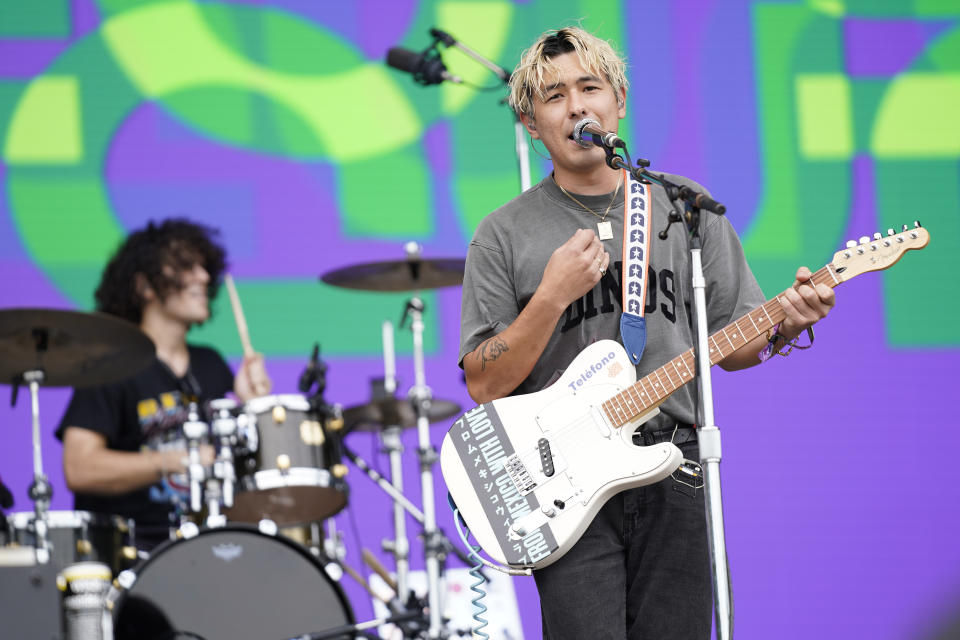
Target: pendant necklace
column 604, row 228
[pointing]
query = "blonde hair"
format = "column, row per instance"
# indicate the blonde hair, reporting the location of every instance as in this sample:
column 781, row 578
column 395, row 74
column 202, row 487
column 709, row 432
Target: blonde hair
column 536, row 66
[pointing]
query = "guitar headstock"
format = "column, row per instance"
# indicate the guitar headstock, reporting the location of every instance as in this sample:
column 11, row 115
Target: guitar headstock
column 879, row 252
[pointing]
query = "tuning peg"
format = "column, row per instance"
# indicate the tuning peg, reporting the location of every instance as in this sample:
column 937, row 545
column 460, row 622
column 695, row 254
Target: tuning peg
column 877, row 236
column 864, row 239
column 916, row 224
column 851, row 244
column 905, row 227
column 890, row 232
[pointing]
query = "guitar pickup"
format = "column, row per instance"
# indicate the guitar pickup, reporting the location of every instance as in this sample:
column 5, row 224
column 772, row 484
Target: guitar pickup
column 546, row 457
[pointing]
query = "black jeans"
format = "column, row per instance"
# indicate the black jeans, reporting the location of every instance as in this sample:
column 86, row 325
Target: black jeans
column 641, row 571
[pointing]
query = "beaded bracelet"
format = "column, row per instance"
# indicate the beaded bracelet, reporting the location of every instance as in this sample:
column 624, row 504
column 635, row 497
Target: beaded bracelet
column 768, row 351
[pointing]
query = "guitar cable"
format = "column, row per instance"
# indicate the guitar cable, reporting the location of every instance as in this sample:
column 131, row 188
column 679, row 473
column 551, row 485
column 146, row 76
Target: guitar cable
column 477, row 587
column 473, row 552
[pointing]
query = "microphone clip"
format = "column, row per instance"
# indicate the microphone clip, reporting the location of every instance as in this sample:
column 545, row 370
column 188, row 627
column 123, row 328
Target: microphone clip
column 431, row 69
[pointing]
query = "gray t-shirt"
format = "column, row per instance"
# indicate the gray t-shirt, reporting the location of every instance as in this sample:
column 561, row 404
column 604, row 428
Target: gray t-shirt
column 510, row 250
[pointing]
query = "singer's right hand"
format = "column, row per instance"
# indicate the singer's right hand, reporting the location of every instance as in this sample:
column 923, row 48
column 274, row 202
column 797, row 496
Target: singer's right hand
column 575, row 267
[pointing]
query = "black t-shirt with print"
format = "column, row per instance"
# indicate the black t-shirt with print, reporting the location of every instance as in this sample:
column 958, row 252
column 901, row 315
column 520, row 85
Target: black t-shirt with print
column 145, row 411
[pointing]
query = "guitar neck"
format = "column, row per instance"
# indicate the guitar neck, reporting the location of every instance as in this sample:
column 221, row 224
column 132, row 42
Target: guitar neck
column 655, row 387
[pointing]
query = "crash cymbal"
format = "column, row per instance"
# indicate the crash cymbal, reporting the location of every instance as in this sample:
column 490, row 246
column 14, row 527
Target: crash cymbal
column 412, row 274
column 73, row 348
column 380, row 414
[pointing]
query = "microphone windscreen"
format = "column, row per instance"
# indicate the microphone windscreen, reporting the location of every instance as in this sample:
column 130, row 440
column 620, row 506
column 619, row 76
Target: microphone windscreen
column 404, row 59
column 578, row 130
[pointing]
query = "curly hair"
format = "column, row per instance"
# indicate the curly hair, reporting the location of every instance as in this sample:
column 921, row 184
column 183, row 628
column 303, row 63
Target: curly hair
column 159, row 253
column 595, row 54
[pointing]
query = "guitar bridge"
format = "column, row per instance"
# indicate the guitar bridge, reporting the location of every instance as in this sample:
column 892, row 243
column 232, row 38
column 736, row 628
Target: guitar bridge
column 519, row 474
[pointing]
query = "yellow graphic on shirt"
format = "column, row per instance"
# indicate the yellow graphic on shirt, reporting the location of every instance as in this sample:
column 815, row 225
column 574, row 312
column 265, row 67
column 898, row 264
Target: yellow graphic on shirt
column 170, row 400
column 146, row 408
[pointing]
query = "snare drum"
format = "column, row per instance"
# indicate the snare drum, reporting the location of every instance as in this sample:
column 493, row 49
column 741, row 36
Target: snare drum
column 288, row 478
column 234, row 583
column 76, row 536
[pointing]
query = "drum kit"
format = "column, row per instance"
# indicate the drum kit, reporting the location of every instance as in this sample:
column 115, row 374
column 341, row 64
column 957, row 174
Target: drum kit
column 249, row 558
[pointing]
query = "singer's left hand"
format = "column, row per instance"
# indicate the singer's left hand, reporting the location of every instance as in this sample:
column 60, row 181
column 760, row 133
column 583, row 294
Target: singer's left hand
column 804, row 304
column 252, row 380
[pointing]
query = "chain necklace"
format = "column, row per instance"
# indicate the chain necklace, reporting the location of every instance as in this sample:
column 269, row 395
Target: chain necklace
column 604, row 228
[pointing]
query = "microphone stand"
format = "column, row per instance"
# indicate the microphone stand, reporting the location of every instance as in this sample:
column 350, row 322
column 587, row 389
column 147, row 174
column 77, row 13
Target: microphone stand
column 519, row 132
column 708, row 434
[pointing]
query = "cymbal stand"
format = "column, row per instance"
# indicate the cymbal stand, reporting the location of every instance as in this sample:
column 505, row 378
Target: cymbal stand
column 399, row 547
column 40, row 490
column 421, row 397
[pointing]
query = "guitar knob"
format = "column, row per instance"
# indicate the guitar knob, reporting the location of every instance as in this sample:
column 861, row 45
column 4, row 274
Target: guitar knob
column 851, row 244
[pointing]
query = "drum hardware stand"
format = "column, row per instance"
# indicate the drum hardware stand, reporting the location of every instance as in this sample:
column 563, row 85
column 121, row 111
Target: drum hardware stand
column 409, row 616
column 41, row 491
column 224, row 427
column 421, row 396
column 446, row 546
column 413, row 619
column 194, row 431
column 440, row 545
column 399, row 547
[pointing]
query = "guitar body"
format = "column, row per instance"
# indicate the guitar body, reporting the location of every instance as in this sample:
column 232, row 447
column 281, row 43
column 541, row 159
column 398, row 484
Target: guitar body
column 528, row 473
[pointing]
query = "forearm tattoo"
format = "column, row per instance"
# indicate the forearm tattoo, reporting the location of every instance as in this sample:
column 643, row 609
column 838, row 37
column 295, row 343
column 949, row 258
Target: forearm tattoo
column 490, row 351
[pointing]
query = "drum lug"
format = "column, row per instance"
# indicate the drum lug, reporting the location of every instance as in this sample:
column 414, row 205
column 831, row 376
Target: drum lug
column 268, row 527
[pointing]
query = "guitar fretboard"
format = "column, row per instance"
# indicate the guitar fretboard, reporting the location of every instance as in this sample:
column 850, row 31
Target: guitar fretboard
column 655, row 387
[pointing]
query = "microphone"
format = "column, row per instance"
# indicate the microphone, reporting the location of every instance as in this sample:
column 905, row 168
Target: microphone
column 597, row 136
column 309, row 375
column 426, row 69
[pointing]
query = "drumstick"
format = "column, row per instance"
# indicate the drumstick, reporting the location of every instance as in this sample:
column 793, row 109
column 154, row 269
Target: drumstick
column 353, row 573
column 238, row 315
column 379, row 569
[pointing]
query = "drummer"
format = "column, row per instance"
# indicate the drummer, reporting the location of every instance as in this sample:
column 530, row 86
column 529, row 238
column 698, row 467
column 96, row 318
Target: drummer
column 122, row 453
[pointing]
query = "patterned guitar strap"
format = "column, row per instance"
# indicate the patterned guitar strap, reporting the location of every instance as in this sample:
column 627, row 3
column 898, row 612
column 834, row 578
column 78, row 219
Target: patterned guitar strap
column 636, row 257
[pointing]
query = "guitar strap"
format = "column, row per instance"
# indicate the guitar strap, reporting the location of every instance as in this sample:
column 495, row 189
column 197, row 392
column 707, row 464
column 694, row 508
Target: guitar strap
column 636, row 258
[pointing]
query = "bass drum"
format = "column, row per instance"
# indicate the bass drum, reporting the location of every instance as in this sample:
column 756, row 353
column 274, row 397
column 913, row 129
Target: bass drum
column 229, row 583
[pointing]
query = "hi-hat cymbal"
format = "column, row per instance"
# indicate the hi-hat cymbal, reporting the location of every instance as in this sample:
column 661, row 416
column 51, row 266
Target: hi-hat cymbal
column 393, row 412
column 412, row 274
column 72, row 348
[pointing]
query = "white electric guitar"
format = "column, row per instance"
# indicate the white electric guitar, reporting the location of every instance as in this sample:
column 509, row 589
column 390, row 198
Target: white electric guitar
column 528, row 473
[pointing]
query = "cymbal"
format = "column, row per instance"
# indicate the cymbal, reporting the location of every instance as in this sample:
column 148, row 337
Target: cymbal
column 73, row 348
column 413, row 274
column 380, row 414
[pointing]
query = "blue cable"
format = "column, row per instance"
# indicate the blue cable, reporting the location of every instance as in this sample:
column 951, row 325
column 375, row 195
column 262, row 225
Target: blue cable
column 476, row 587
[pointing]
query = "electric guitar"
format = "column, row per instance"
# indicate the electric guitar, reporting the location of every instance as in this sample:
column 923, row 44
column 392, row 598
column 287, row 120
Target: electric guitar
column 528, row 473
